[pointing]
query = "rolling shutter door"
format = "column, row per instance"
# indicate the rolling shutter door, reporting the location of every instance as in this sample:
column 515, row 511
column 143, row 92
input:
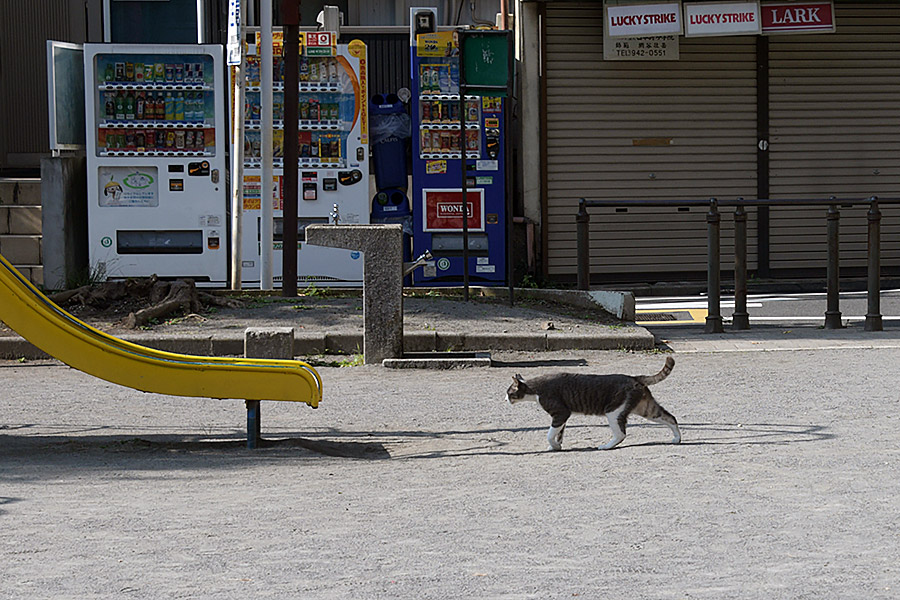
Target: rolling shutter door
column 835, row 131
column 629, row 130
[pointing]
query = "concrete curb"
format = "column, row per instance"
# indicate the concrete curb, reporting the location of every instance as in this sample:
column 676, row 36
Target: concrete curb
column 627, row 338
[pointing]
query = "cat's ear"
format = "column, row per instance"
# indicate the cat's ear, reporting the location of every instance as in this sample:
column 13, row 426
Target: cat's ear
column 518, row 378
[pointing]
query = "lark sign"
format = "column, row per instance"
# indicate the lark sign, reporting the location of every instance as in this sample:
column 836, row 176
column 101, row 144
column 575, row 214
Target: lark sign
column 630, row 20
column 797, row 17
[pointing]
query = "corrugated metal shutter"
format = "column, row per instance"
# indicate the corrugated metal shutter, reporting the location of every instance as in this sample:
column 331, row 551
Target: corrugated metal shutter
column 835, row 131
column 599, row 113
column 24, row 29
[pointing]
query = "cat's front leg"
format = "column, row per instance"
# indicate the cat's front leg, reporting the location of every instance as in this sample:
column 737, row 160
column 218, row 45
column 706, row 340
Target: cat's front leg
column 555, row 437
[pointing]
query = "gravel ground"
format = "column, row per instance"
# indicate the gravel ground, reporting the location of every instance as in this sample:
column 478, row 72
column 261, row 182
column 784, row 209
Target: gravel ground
column 410, row 484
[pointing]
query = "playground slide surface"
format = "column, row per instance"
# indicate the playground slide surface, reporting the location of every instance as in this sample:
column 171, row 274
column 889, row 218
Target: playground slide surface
column 37, row 319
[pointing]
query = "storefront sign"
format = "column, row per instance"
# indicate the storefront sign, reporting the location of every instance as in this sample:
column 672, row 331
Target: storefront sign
column 630, row 20
column 657, row 47
column 127, row 186
column 721, row 18
column 798, row 17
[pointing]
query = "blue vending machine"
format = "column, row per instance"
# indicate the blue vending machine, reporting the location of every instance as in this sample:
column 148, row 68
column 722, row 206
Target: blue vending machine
column 437, row 147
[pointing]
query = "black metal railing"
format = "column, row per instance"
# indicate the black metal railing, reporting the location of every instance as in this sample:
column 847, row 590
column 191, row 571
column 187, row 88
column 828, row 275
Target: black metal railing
column 740, row 317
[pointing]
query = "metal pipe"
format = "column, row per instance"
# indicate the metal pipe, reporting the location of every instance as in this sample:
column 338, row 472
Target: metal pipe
column 582, row 226
column 713, row 279
column 832, row 276
column 740, row 319
column 873, row 315
column 266, row 225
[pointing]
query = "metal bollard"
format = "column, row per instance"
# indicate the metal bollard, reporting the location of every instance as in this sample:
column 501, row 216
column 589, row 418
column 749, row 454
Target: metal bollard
column 740, row 319
column 713, row 281
column 582, row 226
column 873, row 315
column 832, row 312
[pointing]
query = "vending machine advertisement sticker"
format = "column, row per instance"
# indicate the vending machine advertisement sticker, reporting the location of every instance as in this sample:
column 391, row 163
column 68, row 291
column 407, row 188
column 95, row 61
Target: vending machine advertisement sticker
column 435, row 167
column 127, row 186
column 443, row 210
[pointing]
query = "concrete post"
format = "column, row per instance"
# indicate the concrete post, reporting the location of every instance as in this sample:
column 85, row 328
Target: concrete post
column 64, row 217
column 382, row 282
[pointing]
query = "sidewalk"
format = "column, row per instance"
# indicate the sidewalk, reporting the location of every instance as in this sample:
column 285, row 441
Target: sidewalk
column 328, row 325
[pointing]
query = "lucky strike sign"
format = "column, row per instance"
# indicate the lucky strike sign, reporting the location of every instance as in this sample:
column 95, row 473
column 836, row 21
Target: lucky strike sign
column 643, row 19
column 797, row 17
column 443, row 210
column 726, row 18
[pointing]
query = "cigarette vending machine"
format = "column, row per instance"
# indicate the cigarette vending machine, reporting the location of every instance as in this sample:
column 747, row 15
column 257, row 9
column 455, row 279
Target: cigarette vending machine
column 436, row 162
column 333, row 158
column 157, row 193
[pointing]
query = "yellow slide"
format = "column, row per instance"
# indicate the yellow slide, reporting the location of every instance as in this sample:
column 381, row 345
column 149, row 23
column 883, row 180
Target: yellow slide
column 33, row 316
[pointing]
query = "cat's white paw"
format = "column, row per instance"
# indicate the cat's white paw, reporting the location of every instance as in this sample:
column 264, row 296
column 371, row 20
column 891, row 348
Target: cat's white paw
column 611, row 444
column 676, row 440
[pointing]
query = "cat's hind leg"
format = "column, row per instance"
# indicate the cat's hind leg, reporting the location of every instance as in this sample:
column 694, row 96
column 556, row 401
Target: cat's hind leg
column 617, row 422
column 651, row 410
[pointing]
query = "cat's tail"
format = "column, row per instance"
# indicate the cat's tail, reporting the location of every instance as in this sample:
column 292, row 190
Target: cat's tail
column 651, row 379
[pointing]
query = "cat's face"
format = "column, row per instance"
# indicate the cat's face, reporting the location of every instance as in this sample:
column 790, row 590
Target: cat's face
column 519, row 391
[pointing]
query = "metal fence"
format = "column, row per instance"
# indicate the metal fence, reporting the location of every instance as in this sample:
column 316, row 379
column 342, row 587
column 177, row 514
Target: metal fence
column 740, row 317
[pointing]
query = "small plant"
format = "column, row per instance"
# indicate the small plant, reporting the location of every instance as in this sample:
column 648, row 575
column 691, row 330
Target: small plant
column 314, row 292
column 354, row 360
column 529, row 281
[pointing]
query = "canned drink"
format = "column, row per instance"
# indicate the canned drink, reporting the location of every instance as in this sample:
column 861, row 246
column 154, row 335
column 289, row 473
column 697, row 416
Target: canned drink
column 189, row 139
column 139, row 72
column 436, row 110
column 304, row 110
column 189, row 72
column 472, row 111
column 179, row 139
column 333, row 70
column 199, row 141
column 140, row 140
column 159, row 72
column 170, row 139
column 324, row 148
column 129, row 139
column 425, row 78
column 179, row 72
column 148, row 73
column 170, row 72
column 314, row 70
column 120, row 71
column 454, row 142
column 454, row 112
column 314, row 114
column 120, row 139
column 129, row 71
column 445, row 141
column 472, row 140
column 304, row 150
column 150, row 138
column 198, row 72
column 426, row 112
column 336, row 148
column 110, row 141
column 254, row 148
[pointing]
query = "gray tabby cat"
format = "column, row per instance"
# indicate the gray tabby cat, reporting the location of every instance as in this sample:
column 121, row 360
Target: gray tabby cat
column 615, row 396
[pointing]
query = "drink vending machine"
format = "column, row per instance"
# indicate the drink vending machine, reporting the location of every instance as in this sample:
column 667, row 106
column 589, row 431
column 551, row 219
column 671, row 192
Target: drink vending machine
column 333, row 157
column 157, row 193
column 436, row 182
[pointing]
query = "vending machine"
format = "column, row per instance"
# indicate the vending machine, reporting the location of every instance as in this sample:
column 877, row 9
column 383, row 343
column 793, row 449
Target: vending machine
column 438, row 147
column 157, row 193
column 333, row 158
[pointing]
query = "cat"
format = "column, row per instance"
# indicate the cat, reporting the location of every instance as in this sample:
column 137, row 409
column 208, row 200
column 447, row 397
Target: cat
column 615, row 396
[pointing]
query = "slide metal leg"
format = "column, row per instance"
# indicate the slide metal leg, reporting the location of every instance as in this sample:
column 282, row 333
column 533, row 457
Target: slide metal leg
column 253, row 424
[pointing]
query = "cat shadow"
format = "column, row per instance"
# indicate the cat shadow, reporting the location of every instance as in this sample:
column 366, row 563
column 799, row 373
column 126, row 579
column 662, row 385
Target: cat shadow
column 549, row 362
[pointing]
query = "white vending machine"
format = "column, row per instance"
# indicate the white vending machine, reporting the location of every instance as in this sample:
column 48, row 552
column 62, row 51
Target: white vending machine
column 333, row 158
column 157, row 191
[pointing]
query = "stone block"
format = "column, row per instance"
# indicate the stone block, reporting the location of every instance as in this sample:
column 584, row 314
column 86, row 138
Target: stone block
column 505, row 341
column 22, row 192
column 420, row 341
column 24, row 220
column 4, row 220
column 21, row 249
column 343, row 343
column 309, row 344
column 269, row 342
